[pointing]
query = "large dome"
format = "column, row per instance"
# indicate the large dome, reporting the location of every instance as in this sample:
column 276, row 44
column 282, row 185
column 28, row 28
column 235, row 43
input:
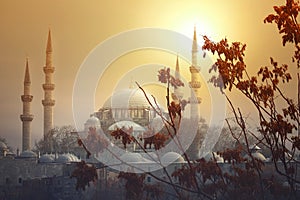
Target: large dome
column 127, row 98
column 127, row 105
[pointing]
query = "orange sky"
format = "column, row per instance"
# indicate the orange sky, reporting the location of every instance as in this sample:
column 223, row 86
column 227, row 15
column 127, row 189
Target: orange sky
column 77, row 27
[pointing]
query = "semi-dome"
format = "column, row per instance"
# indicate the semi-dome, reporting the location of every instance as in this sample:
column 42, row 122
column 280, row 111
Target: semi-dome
column 156, row 124
column 126, row 124
column 47, row 158
column 28, row 154
column 130, row 157
column 67, row 158
column 93, row 122
column 171, row 157
column 151, row 156
column 63, row 158
column 254, row 147
column 73, row 157
column 257, row 155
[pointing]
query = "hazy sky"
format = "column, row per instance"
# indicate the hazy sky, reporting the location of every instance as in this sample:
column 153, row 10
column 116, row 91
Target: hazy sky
column 78, row 26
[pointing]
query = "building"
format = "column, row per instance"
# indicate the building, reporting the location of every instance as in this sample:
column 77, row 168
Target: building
column 29, row 175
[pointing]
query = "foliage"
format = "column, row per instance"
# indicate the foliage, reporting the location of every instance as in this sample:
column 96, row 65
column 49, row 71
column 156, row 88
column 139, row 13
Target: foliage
column 5, row 142
column 81, row 144
column 94, row 141
column 134, row 184
column 264, row 90
column 242, row 176
column 228, row 139
column 286, row 20
column 157, row 139
column 59, row 139
column 137, row 189
column 84, row 174
column 174, row 108
column 124, row 134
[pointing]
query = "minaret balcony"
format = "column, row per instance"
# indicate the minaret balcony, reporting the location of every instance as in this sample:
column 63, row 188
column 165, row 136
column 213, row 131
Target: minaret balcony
column 195, row 84
column 48, row 70
column 27, row 117
column 26, row 98
column 48, row 102
column 194, row 69
column 48, row 86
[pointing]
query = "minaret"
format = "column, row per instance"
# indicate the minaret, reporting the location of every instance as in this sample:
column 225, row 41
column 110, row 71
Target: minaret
column 195, row 80
column 48, row 87
column 26, row 117
column 177, row 94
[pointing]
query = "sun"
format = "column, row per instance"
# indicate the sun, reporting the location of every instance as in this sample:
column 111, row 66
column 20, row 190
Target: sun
column 186, row 26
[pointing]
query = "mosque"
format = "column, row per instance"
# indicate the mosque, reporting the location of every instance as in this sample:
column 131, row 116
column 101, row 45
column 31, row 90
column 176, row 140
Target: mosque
column 32, row 176
column 30, row 171
column 128, row 104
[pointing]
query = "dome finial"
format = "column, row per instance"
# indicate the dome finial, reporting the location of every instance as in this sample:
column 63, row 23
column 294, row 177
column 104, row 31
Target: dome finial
column 131, row 85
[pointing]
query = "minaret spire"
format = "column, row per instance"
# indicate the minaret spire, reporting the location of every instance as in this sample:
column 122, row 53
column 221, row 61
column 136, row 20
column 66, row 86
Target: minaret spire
column 177, row 73
column 194, row 49
column 195, row 79
column 49, row 43
column 178, row 94
column 48, row 87
column 26, row 117
column 195, row 34
column 27, row 75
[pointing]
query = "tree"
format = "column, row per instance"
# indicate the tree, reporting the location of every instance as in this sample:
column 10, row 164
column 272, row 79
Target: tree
column 59, row 139
column 243, row 177
column 264, row 91
column 230, row 138
column 94, row 141
column 5, row 142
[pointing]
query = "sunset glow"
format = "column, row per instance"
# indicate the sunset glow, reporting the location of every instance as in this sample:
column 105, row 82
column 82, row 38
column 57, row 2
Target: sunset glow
column 77, row 28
